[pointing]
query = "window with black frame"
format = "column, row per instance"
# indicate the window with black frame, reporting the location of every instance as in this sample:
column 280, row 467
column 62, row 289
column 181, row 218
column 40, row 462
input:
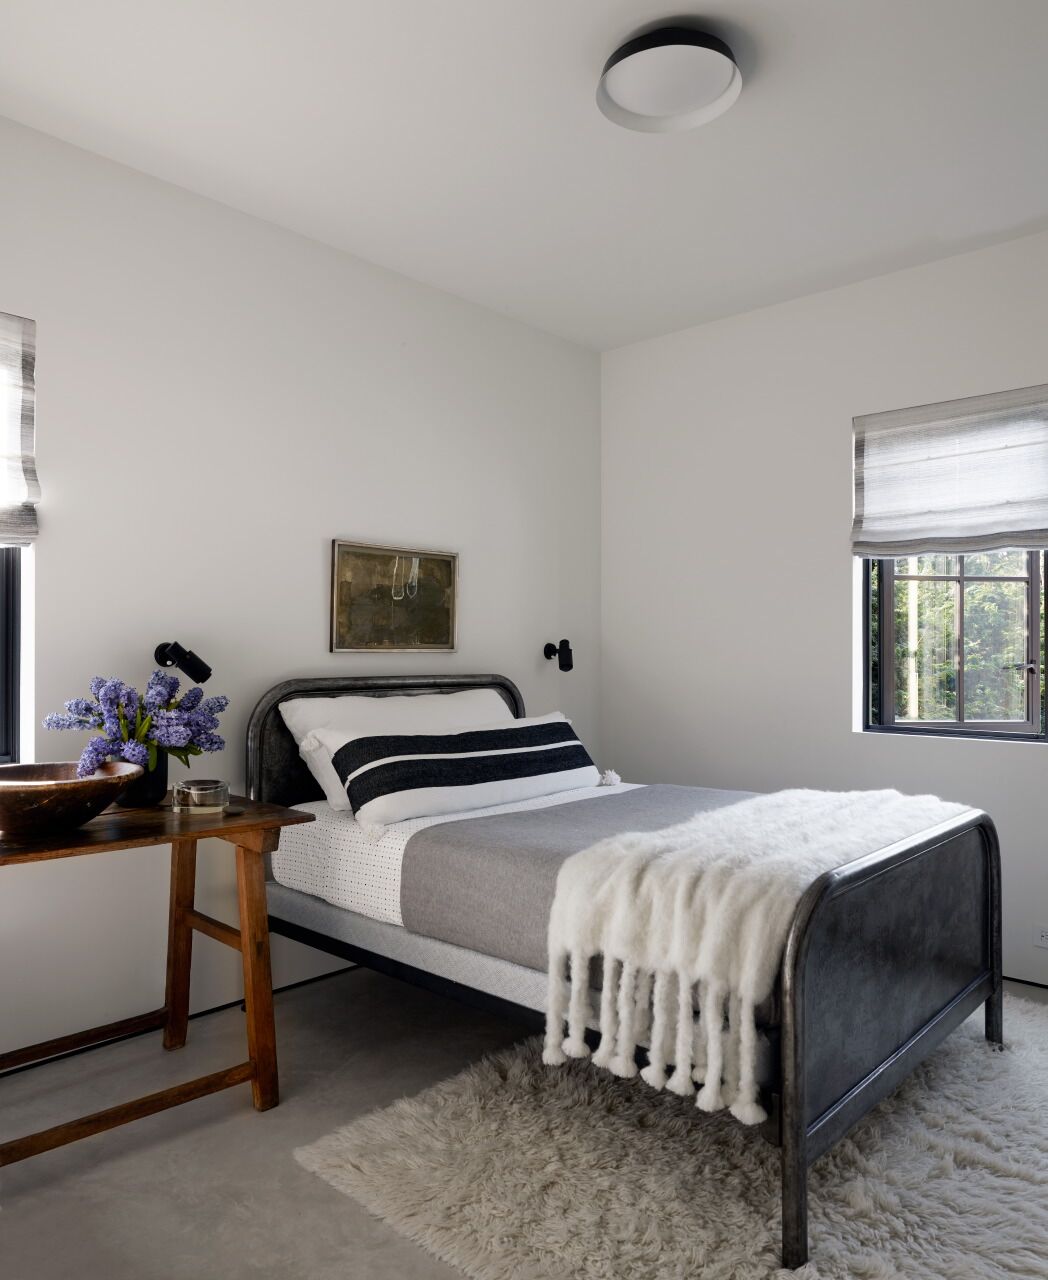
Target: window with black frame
column 955, row 643
column 10, row 628
column 19, row 494
column 951, row 521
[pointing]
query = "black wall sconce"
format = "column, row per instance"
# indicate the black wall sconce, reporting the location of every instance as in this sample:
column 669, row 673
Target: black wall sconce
column 189, row 663
column 562, row 652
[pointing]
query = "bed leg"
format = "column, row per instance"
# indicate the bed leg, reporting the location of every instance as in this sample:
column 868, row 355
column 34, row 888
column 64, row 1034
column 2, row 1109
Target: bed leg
column 794, row 1209
column 995, row 1004
column 995, row 1017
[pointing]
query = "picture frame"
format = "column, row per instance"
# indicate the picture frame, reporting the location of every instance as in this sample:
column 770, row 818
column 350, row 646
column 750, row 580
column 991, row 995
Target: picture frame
column 388, row 599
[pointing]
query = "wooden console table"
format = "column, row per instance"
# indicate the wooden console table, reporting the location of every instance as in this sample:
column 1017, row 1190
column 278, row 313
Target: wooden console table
column 254, row 831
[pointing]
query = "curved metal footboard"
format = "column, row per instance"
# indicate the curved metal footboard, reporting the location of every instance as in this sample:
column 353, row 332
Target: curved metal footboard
column 885, row 957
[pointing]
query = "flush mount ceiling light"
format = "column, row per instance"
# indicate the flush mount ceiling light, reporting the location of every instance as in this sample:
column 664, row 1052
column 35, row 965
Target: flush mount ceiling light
column 670, row 79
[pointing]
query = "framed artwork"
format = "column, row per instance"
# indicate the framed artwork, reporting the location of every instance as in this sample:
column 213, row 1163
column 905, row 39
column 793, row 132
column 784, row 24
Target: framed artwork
column 385, row 598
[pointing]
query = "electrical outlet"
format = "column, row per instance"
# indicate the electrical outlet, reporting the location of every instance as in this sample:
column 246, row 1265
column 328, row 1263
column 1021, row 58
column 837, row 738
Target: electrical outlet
column 1040, row 935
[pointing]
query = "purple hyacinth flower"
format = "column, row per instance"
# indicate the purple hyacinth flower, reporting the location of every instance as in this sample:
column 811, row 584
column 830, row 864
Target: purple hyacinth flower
column 191, row 699
column 210, row 742
column 63, row 720
column 97, row 751
column 215, row 706
column 160, row 690
column 136, row 753
column 110, row 693
column 83, row 707
column 109, row 700
column 97, row 685
column 168, row 730
column 199, row 722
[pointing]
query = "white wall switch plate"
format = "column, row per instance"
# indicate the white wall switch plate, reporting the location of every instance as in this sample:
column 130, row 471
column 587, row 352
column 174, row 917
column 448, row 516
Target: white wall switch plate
column 1040, row 935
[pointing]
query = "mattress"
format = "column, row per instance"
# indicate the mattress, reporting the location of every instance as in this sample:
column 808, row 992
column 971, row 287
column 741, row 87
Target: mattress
column 358, row 868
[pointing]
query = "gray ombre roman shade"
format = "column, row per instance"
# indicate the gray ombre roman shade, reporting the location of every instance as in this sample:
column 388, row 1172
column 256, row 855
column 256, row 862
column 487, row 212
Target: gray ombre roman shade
column 19, row 489
column 962, row 475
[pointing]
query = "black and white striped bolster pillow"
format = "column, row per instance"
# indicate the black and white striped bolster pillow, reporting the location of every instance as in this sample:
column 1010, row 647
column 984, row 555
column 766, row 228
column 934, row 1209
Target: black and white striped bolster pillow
column 391, row 778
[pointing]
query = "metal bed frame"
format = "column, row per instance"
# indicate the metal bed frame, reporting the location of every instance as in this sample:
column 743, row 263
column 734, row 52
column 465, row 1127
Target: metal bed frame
column 885, row 956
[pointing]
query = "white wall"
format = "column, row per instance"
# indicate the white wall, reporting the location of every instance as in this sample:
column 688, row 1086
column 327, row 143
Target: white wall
column 728, row 632
column 217, row 399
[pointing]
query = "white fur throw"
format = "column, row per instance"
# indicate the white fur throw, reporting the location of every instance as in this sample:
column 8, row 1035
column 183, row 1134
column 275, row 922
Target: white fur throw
column 696, row 917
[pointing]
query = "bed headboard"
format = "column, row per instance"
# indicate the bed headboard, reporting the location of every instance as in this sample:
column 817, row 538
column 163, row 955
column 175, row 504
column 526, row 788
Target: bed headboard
column 275, row 770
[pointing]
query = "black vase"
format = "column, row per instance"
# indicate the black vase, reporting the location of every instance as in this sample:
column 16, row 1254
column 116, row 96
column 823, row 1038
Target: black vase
column 147, row 791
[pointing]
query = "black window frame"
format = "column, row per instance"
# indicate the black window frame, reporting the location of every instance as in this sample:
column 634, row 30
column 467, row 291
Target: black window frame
column 877, row 706
column 10, row 651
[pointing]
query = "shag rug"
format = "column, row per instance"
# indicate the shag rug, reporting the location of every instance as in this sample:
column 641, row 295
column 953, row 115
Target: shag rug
column 516, row 1171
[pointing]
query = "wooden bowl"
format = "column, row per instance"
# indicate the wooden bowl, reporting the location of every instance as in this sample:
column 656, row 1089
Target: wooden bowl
column 38, row 799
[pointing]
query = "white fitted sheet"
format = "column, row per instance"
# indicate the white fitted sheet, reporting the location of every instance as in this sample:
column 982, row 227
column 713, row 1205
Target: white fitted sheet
column 358, row 868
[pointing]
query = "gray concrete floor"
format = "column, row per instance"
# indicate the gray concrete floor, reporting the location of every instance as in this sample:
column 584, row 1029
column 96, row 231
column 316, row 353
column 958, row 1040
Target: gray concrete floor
column 211, row 1190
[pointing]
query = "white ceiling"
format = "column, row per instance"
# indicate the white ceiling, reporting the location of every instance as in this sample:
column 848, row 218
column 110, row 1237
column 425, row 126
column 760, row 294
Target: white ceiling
column 458, row 141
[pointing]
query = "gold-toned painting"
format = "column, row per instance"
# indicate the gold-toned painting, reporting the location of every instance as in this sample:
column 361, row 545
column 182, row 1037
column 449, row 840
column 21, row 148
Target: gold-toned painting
column 391, row 598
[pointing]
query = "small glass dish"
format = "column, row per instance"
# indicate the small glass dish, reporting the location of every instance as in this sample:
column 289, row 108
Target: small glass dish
column 200, row 795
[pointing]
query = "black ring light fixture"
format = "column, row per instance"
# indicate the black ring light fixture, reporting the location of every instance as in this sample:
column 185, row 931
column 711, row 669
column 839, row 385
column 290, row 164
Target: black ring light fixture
column 668, row 80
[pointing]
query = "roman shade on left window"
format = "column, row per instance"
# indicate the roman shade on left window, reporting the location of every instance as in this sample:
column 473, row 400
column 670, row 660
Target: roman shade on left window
column 960, row 476
column 19, row 488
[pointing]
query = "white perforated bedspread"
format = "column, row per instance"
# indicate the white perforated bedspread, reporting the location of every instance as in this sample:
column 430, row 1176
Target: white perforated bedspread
column 358, row 868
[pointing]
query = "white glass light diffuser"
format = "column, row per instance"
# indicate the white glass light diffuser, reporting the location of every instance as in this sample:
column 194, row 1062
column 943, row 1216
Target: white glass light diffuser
column 668, row 80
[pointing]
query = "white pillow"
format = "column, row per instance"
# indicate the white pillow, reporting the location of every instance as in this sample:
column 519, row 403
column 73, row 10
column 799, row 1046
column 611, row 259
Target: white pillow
column 393, row 777
column 362, row 715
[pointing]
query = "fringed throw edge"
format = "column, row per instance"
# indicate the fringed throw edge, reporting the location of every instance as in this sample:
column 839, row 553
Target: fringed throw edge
column 695, row 1033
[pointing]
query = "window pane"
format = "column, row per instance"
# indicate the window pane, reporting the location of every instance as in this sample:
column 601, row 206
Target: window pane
column 1012, row 563
column 995, row 676
column 873, row 674
column 925, row 651
column 939, row 564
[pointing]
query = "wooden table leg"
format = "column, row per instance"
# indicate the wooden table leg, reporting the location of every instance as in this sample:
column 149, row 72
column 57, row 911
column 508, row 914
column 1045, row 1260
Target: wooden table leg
column 179, row 942
column 258, row 977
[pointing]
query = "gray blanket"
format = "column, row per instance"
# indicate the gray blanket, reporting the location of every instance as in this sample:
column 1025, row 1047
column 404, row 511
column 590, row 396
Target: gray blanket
column 487, row 883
